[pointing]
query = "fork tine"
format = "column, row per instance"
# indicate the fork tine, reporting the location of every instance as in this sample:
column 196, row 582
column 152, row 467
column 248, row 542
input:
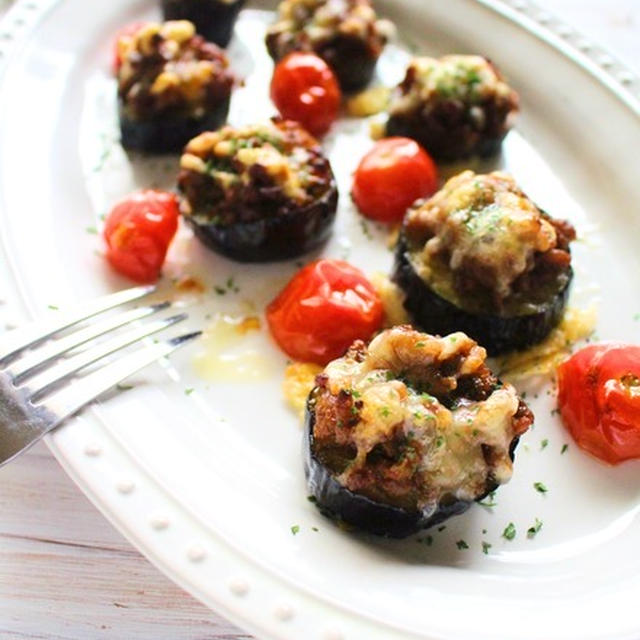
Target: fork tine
column 14, row 342
column 74, row 396
column 20, row 368
column 38, row 385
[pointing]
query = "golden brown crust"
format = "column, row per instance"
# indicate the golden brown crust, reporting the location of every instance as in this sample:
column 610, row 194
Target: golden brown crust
column 167, row 68
column 454, row 106
column 414, row 419
column 486, row 233
column 252, row 172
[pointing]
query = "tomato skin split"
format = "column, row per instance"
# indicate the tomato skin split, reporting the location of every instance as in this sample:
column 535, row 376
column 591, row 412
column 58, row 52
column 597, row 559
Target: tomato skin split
column 599, row 400
column 138, row 231
column 325, row 307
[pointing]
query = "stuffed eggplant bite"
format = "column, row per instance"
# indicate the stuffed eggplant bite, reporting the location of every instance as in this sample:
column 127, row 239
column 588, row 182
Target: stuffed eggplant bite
column 455, row 106
column 408, row 431
column 480, row 257
column 213, row 19
column 347, row 34
column 172, row 85
column 259, row 192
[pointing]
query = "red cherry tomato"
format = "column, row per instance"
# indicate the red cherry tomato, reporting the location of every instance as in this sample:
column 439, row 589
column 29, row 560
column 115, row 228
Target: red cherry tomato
column 138, row 232
column 123, row 32
column 391, row 177
column 325, row 307
column 304, row 89
column 599, row 400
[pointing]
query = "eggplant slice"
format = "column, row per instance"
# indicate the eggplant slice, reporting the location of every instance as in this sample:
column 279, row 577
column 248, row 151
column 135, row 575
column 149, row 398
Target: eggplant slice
column 272, row 238
column 455, row 106
column 499, row 334
column 168, row 133
column 214, row 19
column 383, row 468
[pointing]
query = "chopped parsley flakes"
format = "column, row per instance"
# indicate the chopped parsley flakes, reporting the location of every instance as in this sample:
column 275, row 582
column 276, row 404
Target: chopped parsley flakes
column 539, row 487
column 509, row 532
column 228, row 287
column 295, row 529
column 461, row 544
column 489, row 501
column 533, row 529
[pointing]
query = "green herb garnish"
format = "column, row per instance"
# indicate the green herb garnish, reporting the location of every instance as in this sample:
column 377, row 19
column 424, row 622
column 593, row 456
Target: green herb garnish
column 532, row 530
column 509, row 532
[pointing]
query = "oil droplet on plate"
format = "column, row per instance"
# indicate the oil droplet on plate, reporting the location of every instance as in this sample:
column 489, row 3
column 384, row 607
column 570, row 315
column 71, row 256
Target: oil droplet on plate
column 230, row 351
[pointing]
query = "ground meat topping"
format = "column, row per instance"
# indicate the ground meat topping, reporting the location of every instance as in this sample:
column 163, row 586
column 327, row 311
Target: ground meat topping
column 303, row 25
column 166, row 67
column 276, row 161
column 414, row 419
column 488, row 233
column 468, row 79
column 455, row 106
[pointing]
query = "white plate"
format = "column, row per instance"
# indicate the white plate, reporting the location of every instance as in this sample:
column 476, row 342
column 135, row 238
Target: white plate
column 208, row 485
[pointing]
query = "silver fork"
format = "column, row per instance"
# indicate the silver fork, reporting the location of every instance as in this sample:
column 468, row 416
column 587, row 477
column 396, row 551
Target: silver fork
column 39, row 387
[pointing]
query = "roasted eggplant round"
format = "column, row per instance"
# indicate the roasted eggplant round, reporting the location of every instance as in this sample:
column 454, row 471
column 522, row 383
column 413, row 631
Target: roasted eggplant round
column 409, row 431
column 455, row 106
column 347, row 35
column 213, row 19
column 258, row 193
column 172, row 85
column 480, row 257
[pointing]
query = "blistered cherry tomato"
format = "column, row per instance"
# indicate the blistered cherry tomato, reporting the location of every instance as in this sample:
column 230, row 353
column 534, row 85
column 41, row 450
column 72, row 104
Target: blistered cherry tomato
column 138, row 232
column 391, row 177
column 304, row 89
column 325, row 307
column 599, row 400
column 123, row 32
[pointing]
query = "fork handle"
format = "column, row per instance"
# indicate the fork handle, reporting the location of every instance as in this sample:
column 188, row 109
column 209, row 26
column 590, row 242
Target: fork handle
column 21, row 423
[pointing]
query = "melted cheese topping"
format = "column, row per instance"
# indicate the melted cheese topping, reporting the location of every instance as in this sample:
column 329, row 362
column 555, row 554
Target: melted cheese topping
column 451, row 439
column 486, row 226
column 170, row 42
column 299, row 380
column 544, row 358
column 226, row 354
column 321, row 20
column 229, row 154
column 392, row 298
column 368, row 102
column 468, row 79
